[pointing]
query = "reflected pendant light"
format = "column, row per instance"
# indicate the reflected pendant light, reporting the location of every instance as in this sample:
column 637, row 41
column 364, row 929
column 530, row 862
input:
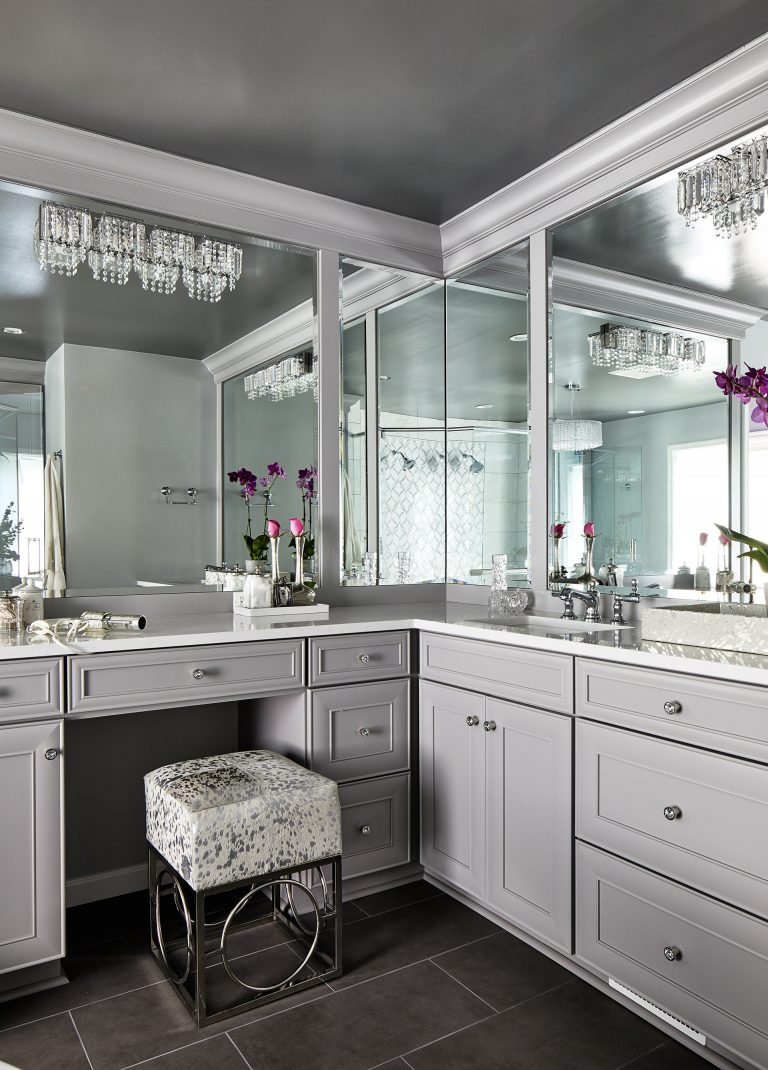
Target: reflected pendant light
column 575, row 434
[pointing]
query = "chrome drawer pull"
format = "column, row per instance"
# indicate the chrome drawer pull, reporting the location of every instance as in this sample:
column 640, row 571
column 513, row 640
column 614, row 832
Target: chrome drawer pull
column 51, row 754
column 672, row 813
column 198, row 674
column 472, row 721
column 364, row 658
column 489, row 726
column 364, row 731
column 365, row 830
column 672, row 707
column 672, row 954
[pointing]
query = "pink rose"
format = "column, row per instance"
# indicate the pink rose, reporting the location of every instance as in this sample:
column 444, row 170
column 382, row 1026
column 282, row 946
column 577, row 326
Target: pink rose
column 589, row 529
column 723, row 540
column 558, row 530
column 297, row 527
column 703, row 538
column 273, row 529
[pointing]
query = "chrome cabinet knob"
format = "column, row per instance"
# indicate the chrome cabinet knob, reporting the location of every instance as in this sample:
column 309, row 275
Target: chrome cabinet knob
column 364, row 731
column 672, row 813
column 198, row 674
column 672, row 953
column 472, row 721
column 489, row 726
column 365, row 830
column 51, row 754
column 672, row 707
column 364, row 658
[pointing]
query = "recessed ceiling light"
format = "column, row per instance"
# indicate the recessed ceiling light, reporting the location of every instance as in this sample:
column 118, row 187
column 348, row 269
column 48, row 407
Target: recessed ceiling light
column 518, row 338
column 384, row 378
column 486, row 406
column 12, row 330
column 635, row 412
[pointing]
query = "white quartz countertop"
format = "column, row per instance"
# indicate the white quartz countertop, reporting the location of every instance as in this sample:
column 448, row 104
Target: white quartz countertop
column 203, row 629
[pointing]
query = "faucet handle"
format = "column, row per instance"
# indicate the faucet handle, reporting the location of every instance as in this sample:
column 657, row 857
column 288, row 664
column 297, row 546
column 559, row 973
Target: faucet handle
column 633, row 586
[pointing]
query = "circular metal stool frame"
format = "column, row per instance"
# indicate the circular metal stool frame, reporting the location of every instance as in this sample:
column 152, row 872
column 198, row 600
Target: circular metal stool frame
column 325, row 911
column 181, row 906
column 241, row 905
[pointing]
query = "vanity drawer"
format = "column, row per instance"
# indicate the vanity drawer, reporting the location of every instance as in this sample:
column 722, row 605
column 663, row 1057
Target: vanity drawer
column 721, row 716
column 528, row 676
column 361, row 730
column 349, row 659
column 145, row 680
column 715, row 979
column 701, row 818
column 375, row 824
column 31, row 689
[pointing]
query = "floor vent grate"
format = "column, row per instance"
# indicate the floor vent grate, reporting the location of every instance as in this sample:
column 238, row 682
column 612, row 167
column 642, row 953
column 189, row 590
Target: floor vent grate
column 665, row 1016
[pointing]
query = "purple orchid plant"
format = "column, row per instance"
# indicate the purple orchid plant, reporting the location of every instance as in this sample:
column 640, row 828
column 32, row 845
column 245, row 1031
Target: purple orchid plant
column 307, row 484
column 752, row 386
column 250, row 486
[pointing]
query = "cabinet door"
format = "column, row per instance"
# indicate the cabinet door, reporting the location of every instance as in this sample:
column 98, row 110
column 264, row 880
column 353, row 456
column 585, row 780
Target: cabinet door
column 31, row 873
column 452, row 745
column 530, row 819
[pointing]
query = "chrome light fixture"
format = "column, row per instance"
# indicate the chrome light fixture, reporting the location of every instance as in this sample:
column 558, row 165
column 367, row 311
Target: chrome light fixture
column 575, row 434
column 637, row 352
column 62, row 238
column 115, row 244
column 729, row 189
column 283, row 378
column 215, row 266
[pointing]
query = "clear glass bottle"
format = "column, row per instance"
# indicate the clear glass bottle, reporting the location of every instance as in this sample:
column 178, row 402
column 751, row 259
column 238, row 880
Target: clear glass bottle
column 498, row 585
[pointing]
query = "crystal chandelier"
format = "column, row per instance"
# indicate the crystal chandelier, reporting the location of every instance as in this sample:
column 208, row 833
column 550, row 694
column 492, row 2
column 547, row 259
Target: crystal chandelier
column 285, row 378
column 575, row 434
column 635, row 351
column 730, row 189
column 62, row 238
column 115, row 246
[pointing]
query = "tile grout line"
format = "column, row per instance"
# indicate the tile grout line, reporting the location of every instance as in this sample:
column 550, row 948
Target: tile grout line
column 231, row 1041
column 406, row 1062
column 636, row 1058
column 173, row 1051
column 466, row 987
column 82, row 1045
column 80, row 1006
column 391, row 910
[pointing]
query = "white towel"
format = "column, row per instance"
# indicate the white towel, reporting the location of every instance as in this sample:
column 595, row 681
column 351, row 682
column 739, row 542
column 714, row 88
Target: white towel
column 55, row 580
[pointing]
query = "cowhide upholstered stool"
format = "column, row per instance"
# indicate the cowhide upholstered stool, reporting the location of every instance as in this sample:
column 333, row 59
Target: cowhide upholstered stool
column 238, row 840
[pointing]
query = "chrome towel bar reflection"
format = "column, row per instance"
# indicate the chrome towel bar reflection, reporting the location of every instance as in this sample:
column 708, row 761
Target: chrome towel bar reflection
column 191, row 498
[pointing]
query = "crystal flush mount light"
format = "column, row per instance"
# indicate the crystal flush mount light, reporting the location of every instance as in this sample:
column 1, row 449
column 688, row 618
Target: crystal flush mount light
column 729, row 189
column 284, row 378
column 576, row 434
column 115, row 246
column 636, row 352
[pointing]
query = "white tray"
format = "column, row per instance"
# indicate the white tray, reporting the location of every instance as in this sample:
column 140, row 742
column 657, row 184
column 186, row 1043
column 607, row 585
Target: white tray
column 318, row 611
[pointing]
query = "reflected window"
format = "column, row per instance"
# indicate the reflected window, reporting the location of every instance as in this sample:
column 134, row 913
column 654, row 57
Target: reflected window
column 698, row 492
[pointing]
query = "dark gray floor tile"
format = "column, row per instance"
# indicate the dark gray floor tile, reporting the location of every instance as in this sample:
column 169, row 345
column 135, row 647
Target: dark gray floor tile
column 670, row 1056
column 401, row 937
column 394, row 1064
column 503, row 970
column 218, row 1053
column 352, row 912
column 572, row 1027
column 364, row 1026
column 48, row 1045
column 403, row 895
column 94, row 973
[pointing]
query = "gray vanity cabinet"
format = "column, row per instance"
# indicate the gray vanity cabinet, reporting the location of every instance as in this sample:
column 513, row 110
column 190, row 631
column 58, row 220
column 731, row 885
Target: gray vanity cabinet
column 496, row 806
column 31, row 845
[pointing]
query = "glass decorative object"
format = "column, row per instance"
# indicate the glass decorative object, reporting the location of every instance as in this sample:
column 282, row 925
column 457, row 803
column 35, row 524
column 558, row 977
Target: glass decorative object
column 638, row 352
column 514, row 601
column 498, row 584
column 370, row 568
column 403, row 567
column 730, row 190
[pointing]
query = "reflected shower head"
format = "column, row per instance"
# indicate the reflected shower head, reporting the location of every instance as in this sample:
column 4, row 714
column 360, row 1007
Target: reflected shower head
column 476, row 466
column 408, row 462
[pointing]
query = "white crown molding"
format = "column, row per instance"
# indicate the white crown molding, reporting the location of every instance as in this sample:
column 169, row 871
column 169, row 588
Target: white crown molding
column 618, row 294
column 16, row 370
column 714, row 106
column 367, row 289
column 63, row 159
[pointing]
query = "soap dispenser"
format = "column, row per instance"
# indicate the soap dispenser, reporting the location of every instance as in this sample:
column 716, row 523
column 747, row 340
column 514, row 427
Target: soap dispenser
column 31, row 598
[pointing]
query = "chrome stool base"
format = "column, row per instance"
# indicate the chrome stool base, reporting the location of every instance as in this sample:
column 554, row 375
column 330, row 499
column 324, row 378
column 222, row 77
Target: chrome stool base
column 200, row 945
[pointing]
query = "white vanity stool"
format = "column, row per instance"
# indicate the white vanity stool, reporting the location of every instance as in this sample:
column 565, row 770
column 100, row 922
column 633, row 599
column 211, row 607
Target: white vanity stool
column 238, row 840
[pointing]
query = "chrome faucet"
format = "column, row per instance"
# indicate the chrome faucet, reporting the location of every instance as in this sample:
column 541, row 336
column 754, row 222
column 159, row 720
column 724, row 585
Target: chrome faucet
column 565, row 594
column 620, row 599
column 591, row 600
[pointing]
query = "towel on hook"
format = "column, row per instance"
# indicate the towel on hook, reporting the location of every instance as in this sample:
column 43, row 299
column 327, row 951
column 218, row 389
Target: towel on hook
column 55, row 579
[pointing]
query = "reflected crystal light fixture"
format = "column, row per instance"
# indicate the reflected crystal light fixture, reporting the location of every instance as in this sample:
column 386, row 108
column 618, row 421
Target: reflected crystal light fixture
column 729, row 189
column 284, row 378
column 115, row 246
column 640, row 352
column 576, row 434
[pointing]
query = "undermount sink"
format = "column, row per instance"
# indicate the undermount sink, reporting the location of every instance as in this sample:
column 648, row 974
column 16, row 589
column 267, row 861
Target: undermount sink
column 550, row 624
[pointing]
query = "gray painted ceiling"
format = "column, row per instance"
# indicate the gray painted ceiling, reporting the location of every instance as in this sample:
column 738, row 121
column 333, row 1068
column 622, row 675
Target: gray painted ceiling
column 419, row 107
column 52, row 309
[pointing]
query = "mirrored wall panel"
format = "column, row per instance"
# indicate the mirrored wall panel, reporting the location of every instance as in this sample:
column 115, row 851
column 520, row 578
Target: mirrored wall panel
column 392, row 444
column 116, row 312
column 487, row 474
